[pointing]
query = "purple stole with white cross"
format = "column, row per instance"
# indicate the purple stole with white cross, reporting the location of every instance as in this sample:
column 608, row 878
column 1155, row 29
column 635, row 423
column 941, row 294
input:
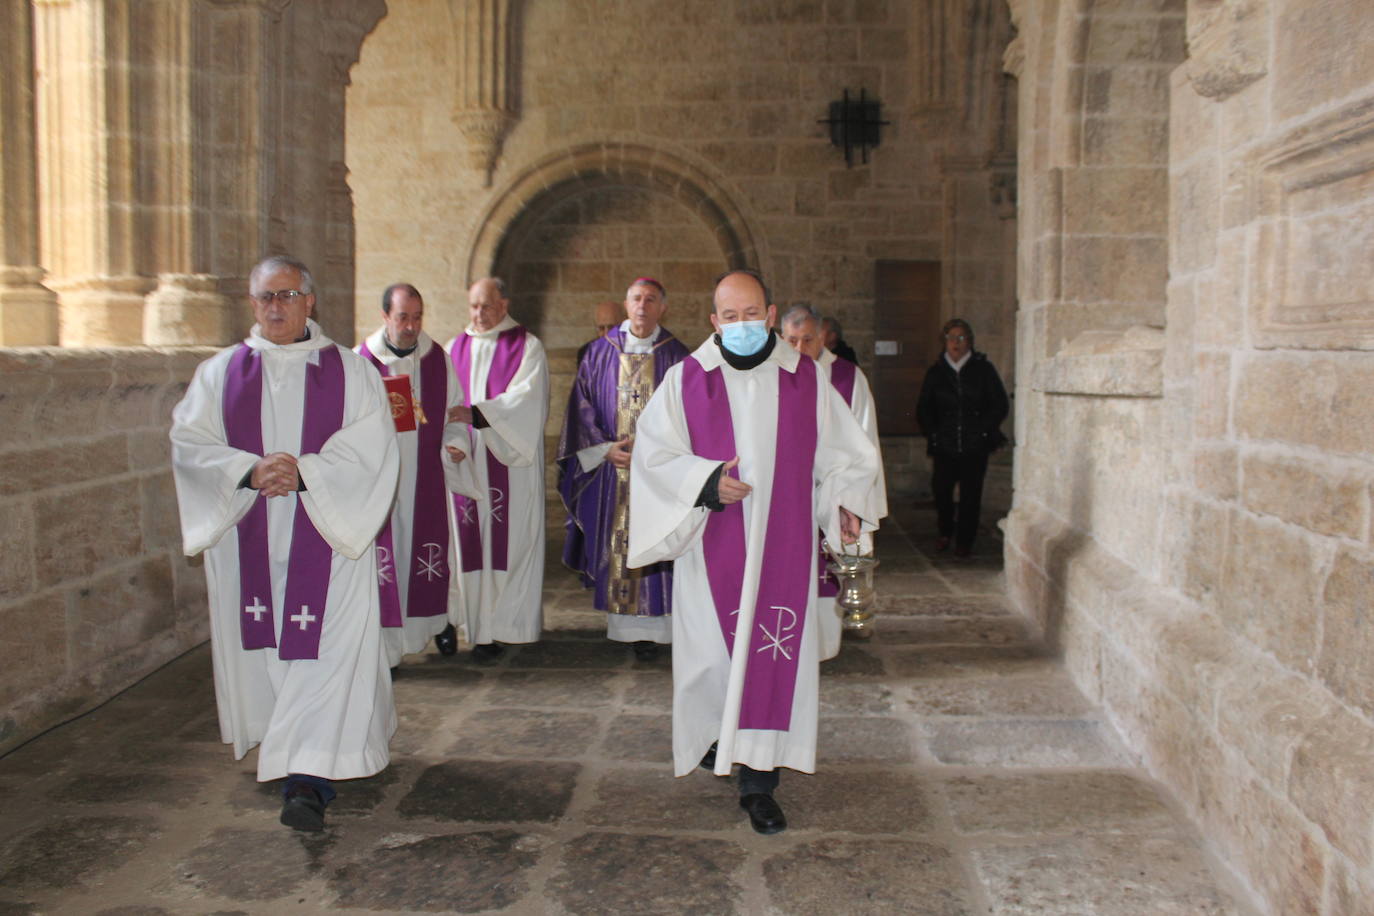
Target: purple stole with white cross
column 842, row 378
column 779, row 618
column 505, row 362
column 429, row 572
column 307, row 575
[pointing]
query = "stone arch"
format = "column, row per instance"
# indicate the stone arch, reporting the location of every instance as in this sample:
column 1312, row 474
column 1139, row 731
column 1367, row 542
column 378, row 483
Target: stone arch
column 604, row 164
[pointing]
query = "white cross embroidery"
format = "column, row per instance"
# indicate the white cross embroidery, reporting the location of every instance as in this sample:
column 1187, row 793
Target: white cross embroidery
column 498, row 504
column 304, row 618
column 775, row 638
column 384, row 576
column 431, row 564
column 256, row 609
column 469, row 508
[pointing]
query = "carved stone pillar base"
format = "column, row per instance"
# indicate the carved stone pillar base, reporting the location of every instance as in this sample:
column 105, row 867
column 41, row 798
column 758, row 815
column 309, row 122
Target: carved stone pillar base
column 28, row 309
column 102, row 311
column 186, row 309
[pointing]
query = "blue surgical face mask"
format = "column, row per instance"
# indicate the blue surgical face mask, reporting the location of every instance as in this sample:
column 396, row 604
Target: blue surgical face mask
column 744, row 338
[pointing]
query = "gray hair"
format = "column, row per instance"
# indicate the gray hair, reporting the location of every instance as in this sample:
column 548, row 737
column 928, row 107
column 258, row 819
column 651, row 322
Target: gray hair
column 499, row 284
column 801, row 313
column 282, row 262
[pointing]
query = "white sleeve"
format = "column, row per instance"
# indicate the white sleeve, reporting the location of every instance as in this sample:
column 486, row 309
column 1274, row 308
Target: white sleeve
column 351, row 482
column 592, row 456
column 516, row 417
column 206, row 469
column 665, row 479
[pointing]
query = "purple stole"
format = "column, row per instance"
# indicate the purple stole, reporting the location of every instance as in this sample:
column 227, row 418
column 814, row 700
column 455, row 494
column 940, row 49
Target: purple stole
column 842, row 378
column 505, row 362
column 429, row 573
column 770, row 675
column 307, row 575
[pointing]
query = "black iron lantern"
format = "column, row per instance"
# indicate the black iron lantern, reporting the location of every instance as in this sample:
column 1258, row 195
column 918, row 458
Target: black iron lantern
column 855, row 123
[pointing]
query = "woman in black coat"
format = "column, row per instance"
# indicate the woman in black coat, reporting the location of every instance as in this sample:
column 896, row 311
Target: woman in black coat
column 962, row 405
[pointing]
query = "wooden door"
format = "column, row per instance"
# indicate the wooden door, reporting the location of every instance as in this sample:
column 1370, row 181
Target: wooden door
column 908, row 320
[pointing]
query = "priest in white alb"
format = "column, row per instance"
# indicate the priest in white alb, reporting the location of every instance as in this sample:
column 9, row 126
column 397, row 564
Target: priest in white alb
column 285, row 463
column 742, row 454
column 502, row 369
column 414, row 550
column 802, row 328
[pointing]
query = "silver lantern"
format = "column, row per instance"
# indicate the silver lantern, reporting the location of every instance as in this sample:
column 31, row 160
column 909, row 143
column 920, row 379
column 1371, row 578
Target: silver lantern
column 855, row 600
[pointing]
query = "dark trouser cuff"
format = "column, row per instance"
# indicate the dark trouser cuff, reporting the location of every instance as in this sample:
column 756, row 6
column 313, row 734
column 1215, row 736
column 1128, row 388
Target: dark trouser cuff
column 321, row 785
column 753, row 782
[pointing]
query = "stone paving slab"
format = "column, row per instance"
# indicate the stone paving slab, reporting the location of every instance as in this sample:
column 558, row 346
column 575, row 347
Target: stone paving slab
column 959, row 772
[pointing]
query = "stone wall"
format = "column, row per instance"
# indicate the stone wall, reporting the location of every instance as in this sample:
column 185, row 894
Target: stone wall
column 711, row 107
column 1195, row 471
column 94, row 591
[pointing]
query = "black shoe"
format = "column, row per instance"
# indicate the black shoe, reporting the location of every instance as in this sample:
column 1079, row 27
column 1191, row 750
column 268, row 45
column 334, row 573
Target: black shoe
column 708, row 761
column 446, row 640
column 487, row 651
column 303, row 809
column 395, row 671
column 764, row 813
column 646, row 650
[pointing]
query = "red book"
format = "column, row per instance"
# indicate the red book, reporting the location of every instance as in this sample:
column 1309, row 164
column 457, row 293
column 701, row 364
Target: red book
column 402, row 402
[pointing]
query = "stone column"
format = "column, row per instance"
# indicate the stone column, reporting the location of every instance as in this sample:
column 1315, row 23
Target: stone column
column 88, row 178
column 484, row 107
column 28, row 309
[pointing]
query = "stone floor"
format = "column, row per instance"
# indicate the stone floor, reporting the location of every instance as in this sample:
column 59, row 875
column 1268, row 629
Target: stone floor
column 960, row 773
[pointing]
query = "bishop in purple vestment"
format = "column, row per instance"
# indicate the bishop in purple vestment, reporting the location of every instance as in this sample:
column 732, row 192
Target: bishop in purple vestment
column 615, row 378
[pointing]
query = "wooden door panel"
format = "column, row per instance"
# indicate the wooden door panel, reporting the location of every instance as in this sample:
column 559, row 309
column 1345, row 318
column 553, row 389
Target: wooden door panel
column 907, row 312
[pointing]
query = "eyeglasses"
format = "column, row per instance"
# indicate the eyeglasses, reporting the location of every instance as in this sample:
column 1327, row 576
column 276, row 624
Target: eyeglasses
column 284, row 296
column 959, row 338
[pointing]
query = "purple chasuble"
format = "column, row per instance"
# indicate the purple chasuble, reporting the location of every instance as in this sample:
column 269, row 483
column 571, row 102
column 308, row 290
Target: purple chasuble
column 590, row 496
column 505, row 362
column 842, row 378
column 429, row 572
column 770, row 675
column 308, row 565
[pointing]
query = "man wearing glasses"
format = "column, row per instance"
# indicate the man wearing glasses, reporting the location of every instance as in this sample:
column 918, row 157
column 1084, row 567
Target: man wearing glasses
column 285, row 461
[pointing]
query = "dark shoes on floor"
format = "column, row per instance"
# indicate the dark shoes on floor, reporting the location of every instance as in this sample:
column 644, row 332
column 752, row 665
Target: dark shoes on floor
column 446, row 640
column 303, row 809
column 765, row 814
column 646, row 650
column 487, row 651
column 708, row 760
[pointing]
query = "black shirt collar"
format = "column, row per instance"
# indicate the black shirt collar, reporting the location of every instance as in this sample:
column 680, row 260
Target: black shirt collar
column 752, row 360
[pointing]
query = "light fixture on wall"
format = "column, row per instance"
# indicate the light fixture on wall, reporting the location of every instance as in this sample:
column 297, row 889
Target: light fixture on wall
column 855, row 123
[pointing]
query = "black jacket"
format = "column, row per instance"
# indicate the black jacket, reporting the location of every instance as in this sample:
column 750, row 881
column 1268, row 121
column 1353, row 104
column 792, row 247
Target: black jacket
column 960, row 412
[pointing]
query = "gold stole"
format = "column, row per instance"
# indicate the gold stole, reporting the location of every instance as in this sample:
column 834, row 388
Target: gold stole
column 634, row 386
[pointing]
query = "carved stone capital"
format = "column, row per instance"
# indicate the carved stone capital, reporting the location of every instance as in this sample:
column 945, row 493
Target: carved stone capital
column 186, row 309
column 483, row 131
column 1228, row 45
column 1014, row 57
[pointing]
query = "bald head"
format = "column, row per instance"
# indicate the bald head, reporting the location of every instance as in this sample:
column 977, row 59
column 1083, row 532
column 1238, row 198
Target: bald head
column 742, row 296
column 605, row 315
column 487, row 303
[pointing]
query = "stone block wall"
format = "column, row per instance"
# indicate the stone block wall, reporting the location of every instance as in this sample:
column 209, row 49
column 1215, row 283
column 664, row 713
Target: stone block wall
column 709, row 109
column 94, row 590
column 1194, row 503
